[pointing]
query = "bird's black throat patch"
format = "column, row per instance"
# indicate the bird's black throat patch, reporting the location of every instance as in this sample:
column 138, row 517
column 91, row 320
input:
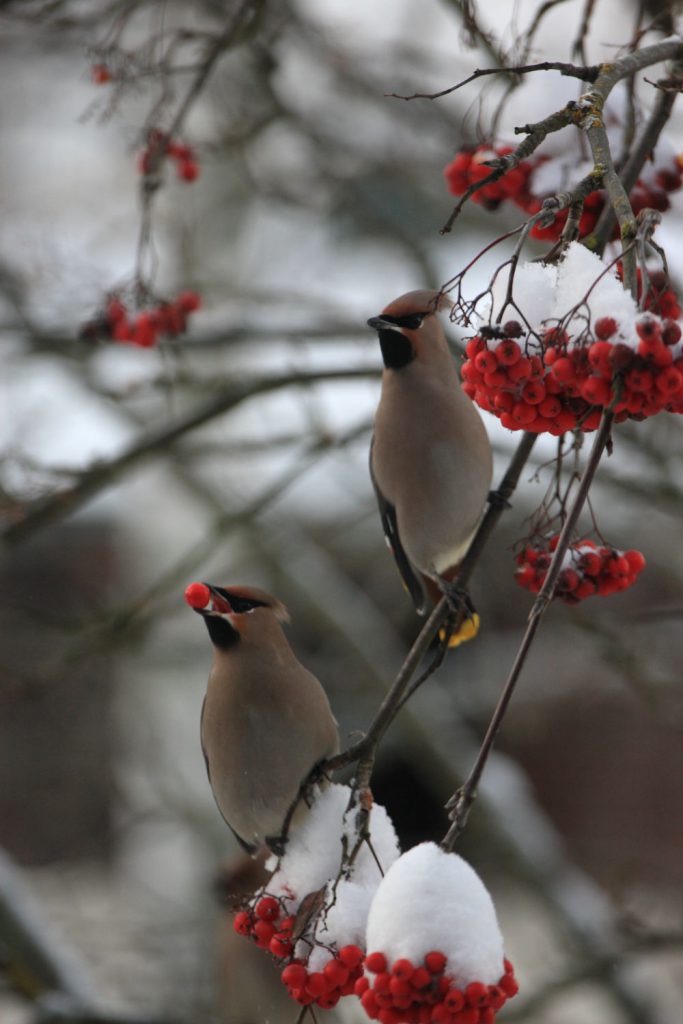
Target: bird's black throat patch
column 221, row 632
column 397, row 351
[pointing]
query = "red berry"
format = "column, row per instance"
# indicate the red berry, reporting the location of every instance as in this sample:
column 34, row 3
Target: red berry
column 189, row 301
column 605, row 327
column 280, row 946
column 361, row 985
column 523, row 414
column 369, row 1004
column 376, row 963
column 267, row 908
column 242, row 923
column 521, row 370
column 568, row 580
column 454, row 1000
column 635, row 560
column 198, row 595
column 486, row 362
column 434, row 962
column 263, row 932
column 477, row 994
column 563, row 370
column 144, row 331
column 497, row 997
column 474, row 346
column 671, row 333
column 188, row 170
column 599, row 356
column 336, row 972
column 403, row 969
column 509, row 985
column 669, row 381
column 647, row 327
column 382, row 982
column 508, row 353
column 639, row 380
column 116, row 311
column 420, row 978
column 350, row 956
column 316, row 984
column 534, row 392
column 100, row 74
column 513, row 329
column 550, row 407
column 294, row 975
column 596, row 391
column 399, row 987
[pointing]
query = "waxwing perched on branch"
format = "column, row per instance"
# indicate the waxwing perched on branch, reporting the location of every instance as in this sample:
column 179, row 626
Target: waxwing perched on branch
column 266, row 721
column 430, row 459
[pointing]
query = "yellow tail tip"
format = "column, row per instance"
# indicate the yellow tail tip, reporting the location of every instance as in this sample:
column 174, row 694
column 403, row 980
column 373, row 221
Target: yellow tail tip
column 467, row 631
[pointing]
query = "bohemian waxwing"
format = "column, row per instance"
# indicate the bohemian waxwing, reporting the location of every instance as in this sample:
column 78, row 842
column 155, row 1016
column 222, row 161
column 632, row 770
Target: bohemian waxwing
column 266, row 721
column 430, row 459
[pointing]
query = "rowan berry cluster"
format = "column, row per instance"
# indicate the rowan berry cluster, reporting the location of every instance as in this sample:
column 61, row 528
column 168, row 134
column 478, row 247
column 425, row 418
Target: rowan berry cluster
column 588, row 568
column 422, row 993
column 518, row 185
column 145, row 327
column 269, row 924
column 551, row 383
column 338, row 977
column 470, row 167
column 159, row 146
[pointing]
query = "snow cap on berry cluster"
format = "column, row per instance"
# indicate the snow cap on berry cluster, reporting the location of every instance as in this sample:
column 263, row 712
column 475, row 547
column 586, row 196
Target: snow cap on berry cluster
column 432, row 900
column 313, row 852
column 547, row 293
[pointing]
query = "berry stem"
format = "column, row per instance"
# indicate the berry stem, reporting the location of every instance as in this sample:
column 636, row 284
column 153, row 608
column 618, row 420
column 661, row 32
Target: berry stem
column 461, row 802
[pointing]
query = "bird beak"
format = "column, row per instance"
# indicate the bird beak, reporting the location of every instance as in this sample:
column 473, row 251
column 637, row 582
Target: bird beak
column 378, row 324
column 220, row 605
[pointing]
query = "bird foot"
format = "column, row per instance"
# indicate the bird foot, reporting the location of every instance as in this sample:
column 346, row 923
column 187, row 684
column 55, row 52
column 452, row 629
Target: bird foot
column 459, row 602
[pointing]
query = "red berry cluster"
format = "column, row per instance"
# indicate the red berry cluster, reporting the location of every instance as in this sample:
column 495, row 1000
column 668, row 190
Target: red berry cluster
column 425, row 993
column 548, row 385
column 338, row 977
column 159, row 145
column 590, row 569
column 468, row 167
column 144, row 328
column 268, row 924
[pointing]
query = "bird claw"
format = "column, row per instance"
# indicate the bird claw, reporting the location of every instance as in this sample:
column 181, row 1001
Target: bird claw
column 459, row 602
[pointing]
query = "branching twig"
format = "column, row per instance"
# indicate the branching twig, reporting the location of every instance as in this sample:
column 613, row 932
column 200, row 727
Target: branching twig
column 460, row 803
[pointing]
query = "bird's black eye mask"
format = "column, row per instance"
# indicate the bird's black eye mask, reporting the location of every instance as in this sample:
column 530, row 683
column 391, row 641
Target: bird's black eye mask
column 412, row 321
column 238, row 603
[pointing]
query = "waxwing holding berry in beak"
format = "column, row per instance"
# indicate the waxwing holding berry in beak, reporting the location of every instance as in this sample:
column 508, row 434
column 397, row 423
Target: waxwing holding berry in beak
column 430, row 459
column 266, row 720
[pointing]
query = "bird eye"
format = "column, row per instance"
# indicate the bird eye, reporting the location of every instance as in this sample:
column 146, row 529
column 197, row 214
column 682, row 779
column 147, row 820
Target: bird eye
column 412, row 322
column 243, row 605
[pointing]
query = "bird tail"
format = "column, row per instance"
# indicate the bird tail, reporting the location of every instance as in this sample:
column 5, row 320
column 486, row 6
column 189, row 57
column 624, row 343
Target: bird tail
column 467, row 630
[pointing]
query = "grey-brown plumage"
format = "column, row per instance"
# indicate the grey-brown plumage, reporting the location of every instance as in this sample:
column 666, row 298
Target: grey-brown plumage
column 266, row 721
column 430, row 459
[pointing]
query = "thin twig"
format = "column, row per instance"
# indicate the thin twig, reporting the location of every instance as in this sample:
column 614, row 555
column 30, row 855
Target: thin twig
column 586, row 74
column 460, row 803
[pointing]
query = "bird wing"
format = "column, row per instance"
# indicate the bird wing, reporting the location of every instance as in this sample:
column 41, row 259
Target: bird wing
column 249, row 848
column 387, row 512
